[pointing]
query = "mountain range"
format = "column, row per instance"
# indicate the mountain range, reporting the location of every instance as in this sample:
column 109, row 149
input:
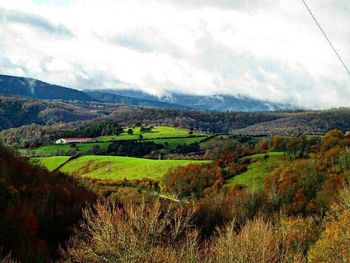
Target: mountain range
column 28, row 87
column 200, row 102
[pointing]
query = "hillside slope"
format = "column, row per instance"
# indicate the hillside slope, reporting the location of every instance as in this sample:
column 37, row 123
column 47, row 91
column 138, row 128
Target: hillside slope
column 28, row 87
column 38, row 208
column 125, row 100
column 313, row 122
column 16, row 112
column 215, row 102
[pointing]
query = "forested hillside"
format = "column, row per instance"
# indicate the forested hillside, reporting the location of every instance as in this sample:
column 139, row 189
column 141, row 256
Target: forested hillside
column 124, row 100
column 27, row 87
column 216, row 102
column 16, row 112
column 309, row 122
column 56, row 115
column 37, row 208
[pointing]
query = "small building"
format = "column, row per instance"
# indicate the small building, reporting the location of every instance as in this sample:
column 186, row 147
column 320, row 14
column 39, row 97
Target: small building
column 73, row 140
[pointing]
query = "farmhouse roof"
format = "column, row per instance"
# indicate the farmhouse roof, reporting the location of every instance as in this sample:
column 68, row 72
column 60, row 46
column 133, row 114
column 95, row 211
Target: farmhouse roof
column 77, row 139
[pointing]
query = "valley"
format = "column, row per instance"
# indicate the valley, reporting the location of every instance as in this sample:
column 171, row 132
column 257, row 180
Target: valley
column 200, row 131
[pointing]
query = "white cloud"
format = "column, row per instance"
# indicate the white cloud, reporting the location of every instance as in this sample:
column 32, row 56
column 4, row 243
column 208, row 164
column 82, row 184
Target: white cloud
column 264, row 49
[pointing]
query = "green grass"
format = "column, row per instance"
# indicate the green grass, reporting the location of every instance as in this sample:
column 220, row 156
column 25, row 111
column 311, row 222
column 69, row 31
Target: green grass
column 87, row 147
column 258, row 169
column 118, row 168
column 50, row 163
column 65, row 149
column 157, row 132
column 173, row 142
column 51, row 149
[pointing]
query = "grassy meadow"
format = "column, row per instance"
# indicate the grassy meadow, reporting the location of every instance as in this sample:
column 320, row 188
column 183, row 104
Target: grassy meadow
column 171, row 143
column 168, row 136
column 258, row 169
column 50, row 163
column 157, row 132
column 114, row 167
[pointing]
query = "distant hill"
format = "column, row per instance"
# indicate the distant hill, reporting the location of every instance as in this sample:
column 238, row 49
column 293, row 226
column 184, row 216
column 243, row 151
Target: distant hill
column 15, row 111
column 124, row 100
column 310, row 122
column 217, row 102
column 27, row 87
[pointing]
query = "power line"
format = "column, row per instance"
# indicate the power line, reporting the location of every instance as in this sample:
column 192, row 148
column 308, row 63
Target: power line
column 324, row 33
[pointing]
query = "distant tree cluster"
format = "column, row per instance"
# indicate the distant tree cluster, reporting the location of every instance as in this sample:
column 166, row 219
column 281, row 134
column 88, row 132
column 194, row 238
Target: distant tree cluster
column 132, row 148
column 95, row 129
column 296, row 146
column 187, row 148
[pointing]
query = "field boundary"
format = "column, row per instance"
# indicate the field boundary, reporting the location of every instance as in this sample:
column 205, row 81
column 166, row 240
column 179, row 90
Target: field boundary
column 64, row 163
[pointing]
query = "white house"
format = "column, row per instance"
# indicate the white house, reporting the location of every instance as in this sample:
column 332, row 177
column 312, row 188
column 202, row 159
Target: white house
column 73, row 140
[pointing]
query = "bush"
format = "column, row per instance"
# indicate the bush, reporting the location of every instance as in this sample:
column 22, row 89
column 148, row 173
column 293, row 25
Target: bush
column 334, row 243
column 257, row 241
column 143, row 233
column 193, row 180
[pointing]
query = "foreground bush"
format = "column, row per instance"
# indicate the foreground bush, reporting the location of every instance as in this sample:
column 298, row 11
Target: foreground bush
column 158, row 233
column 334, row 244
column 256, row 242
column 145, row 233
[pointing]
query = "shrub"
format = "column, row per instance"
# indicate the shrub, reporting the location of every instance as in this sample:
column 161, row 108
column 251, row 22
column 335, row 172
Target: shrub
column 257, row 241
column 193, row 180
column 334, row 243
column 144, row 233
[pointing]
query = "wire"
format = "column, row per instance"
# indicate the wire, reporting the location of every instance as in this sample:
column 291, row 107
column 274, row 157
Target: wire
column 323, row 32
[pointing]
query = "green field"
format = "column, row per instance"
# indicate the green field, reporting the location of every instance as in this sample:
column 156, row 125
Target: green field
column 86, row 148
column 157, row 132
column 65, row 149
column 49, row 149
column 258, row 169
column 118, row 168
column 50, row 163
column 173, row 142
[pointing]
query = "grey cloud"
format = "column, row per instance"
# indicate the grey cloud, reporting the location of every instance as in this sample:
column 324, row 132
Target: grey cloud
column 232, row 4
column 231, row 66
column 149, row 40
column 36, row 21
column 134, row 43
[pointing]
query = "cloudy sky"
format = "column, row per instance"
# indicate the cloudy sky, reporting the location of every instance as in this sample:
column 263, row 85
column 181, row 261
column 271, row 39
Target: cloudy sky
column 264, row 49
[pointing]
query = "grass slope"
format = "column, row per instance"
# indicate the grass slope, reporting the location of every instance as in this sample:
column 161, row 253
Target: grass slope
column 259, row 168
column 50, row 163
column 66, row 148
column 173, row 142
column 160, row 135
column 118, row 168
column 157, row 132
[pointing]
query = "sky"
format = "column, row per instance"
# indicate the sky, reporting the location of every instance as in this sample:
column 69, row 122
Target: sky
column 263, row 49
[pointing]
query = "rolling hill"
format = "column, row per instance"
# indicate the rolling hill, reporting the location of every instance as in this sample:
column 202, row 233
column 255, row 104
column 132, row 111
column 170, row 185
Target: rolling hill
column 124, row 100
column 36, row 89
column 32, row 88
column 216, row 102
column 28, row 87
